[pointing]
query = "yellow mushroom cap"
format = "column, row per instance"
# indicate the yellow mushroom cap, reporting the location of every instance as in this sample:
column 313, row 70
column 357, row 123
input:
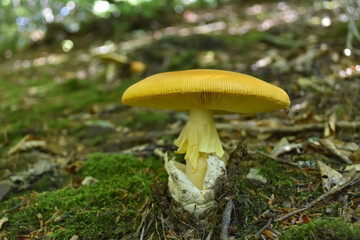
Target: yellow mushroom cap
column 208, row 89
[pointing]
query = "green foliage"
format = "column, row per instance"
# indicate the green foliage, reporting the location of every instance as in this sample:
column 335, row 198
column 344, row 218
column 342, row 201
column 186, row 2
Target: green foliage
column 331, row 228
column 148, row 120
column 185, row 60
column 107, row 209
column 142, row 178
column 26, row 21
column 280, row 180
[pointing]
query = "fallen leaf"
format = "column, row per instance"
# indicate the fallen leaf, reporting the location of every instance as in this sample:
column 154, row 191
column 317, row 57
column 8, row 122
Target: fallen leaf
column 330, row 127
column 355, row 156
column 305, row 218
column 346, row 178
column 356, row 166
column 269, row 234
column 329, row 176
column 271, row 200
column 2, row 221
column 284, row 146
column 331, row 148
column 75, row 237
column 25, row 144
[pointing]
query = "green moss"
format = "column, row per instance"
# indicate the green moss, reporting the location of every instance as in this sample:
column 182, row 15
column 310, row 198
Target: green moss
column 107, row 209
column 330, row 228
column 277, row 177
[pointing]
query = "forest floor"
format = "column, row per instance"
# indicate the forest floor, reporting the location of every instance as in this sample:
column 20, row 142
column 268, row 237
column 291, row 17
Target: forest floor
column 75, row 163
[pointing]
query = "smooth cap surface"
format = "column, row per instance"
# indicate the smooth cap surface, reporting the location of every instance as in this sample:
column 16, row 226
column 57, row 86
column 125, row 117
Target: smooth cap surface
column 208, row 89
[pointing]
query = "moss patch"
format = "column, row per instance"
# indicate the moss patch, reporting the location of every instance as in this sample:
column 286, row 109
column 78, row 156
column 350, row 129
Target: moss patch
column 107, row 209
column 331, row 228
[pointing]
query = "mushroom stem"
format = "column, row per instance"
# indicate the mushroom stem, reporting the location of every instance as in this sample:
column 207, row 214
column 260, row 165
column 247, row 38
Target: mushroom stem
column 111, row 72
column 197, row 177
column 198, row 138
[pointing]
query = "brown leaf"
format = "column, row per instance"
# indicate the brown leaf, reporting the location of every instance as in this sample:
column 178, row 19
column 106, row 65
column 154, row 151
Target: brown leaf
column 331, row 148
column 271, row 200
column 355, row 156
column 305, row 218
column 329, row 176
column 269, row 234
column 284, row 146
column 27, row 143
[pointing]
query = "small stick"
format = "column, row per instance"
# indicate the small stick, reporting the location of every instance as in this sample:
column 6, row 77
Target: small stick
column 209, row 236
column 226, row 218
column 13, row 208
column 249, row 126
column 319, row 199
column 264, row 227
column 162, row 225
column 277, row 159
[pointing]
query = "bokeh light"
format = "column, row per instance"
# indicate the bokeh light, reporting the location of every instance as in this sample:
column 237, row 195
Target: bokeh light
column 67, row 45
column 101, row 6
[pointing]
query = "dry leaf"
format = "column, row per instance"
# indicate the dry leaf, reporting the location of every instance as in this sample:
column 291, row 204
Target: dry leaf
column 271, row 200
column 305, row 218
column 355, row 156
column 329, row 176
column 2, row 221
column 269, row 234
column 356, row 166
column 75, row 237
column 330, row 127
column 25, row 144
column 284, row 146
column 346, row 178
column 331, row 148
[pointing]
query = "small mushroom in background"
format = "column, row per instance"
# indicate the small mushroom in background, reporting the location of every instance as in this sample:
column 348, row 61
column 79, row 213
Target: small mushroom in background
column 202, row 92
column 113, row 62
column 137, row 68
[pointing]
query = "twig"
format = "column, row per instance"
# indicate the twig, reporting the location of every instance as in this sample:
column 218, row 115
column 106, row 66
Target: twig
column 319, row 199
column 249, row 126
column 13, row 208
column 210, row 234
column 264, row 227
column 226, row 218
column 142, row 233
column 277, row 159
column 162, row 225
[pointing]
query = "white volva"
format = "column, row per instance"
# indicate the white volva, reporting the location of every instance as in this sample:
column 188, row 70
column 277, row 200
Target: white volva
column 186, row 193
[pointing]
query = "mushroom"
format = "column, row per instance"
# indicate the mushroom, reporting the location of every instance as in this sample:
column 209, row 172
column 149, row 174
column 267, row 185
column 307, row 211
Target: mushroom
column 137, row 68
column 203, row 92
column 113, row 61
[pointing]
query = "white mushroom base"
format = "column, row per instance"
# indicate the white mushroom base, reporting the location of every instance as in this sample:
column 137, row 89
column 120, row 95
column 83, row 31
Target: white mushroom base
column 184, row 191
